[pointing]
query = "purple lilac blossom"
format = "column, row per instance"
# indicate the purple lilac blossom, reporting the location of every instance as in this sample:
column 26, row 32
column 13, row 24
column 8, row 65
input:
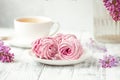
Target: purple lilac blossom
column 92, row 44
column 109, row 61
column 113, row 6
column 5, row 54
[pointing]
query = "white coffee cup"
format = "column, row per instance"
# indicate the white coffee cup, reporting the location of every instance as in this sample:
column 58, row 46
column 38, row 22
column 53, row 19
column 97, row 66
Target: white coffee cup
column 28, row 29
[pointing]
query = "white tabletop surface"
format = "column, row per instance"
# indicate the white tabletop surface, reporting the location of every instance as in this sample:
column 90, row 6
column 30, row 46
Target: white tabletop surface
column 25, row 68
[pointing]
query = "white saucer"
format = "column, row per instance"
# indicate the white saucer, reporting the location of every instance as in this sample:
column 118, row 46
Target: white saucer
column 58, row 62
column 19, row 43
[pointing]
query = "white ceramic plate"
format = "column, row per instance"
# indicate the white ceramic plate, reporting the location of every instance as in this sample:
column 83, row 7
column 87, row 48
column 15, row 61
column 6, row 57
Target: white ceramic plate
column 58, row 62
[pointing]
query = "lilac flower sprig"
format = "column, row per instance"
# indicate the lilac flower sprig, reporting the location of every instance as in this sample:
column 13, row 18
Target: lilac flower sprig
column 109, row 61
column 92, row 44
column 113, row 6
column 5, row 54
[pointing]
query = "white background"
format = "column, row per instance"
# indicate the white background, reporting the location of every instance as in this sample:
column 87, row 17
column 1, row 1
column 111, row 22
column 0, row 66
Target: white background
column 73, row 15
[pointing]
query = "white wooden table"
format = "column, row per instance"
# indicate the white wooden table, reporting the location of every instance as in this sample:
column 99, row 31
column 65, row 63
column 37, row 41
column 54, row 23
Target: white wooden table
column 25, row 68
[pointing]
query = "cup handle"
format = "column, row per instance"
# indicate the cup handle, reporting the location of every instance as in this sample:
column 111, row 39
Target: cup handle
column 57, row 25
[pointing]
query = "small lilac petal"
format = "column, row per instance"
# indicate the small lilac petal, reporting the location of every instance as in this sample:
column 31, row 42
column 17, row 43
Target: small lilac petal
column 109, row 61
column 113, row 6
column 5, row 54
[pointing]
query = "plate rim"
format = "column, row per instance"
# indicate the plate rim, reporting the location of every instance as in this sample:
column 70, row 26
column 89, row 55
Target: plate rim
column 58, row 62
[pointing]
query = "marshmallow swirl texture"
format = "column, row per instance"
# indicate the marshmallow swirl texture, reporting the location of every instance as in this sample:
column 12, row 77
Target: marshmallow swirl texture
column 60, row 47
column 45, row 48
column 69, row 47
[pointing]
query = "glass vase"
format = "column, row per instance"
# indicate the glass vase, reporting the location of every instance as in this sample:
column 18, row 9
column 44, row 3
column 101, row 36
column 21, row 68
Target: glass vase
column 105, row 28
